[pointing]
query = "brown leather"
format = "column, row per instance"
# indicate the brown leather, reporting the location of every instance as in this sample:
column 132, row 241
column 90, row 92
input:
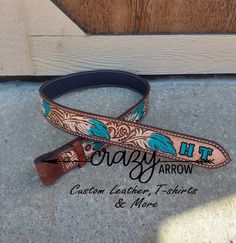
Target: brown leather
column 51, row 166
column 48, row 172
column 80, row 153
column 95, row 132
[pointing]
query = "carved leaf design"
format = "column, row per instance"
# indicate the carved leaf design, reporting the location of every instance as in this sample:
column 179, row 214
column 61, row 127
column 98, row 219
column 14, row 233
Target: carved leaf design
column 45, row 107
column 137, row 114
column 162, row 143
column 90, row 127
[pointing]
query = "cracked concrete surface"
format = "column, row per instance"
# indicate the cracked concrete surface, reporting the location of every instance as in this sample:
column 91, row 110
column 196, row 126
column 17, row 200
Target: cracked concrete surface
column 32, row 213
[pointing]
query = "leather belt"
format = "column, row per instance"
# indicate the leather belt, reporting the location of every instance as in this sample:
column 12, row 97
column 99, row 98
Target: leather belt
column 95, row 132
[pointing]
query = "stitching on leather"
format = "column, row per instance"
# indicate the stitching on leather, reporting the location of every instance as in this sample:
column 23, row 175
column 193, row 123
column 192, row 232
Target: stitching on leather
column 143, row 150
column 125, row 115
column 94, row 72
column 135, row 125
column 141, row 126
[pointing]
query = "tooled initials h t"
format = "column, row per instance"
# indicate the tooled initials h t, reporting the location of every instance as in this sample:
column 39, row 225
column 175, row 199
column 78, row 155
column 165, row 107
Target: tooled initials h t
column 187, row 149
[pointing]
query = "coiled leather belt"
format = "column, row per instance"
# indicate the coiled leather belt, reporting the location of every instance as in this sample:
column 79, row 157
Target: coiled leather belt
column 95, row 132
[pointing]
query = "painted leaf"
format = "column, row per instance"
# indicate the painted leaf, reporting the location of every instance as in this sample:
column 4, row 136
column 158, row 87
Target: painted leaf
column 161, row 143
column 76, row 124
column 95, row 144
column 90, row 127
column 98, row 129
column 137, row 114
column 140, row 110
column 45, row 107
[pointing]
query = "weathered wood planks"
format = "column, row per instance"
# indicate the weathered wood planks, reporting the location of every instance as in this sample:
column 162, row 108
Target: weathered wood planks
column 152, row 16
column 156, row 54
column 36, row 38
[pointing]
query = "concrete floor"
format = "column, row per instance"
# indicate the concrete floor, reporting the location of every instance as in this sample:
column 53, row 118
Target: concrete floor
column 33, row 213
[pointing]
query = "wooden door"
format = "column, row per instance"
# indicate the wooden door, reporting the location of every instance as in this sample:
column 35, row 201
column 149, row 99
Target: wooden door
column 37, row 38
column 152, row 16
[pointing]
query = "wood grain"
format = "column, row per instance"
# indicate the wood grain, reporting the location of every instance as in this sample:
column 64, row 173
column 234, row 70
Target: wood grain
column 19, row 20
column 15, row 53
column 100, row 16
column 38, row 39
column 43, row 18
column 152, row 16
column 155, row 54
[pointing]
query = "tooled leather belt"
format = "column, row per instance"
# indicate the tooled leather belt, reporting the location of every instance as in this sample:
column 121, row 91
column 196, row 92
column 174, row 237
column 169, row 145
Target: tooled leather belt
column 95, row 132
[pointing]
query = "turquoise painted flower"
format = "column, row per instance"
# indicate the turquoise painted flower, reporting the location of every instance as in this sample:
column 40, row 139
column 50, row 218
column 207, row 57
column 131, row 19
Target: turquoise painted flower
column 45, row 107
column 159, row 142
